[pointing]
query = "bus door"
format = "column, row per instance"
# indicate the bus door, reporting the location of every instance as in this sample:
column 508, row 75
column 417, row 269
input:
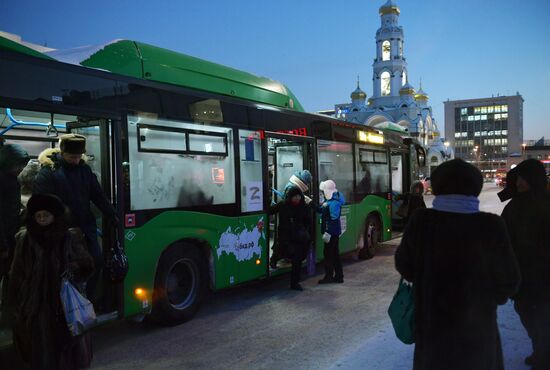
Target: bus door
column 400, row 181
column 100, row 156
column 287, row 154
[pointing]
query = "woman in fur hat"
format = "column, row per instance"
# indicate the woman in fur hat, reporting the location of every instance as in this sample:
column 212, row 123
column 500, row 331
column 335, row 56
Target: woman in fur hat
column 45, row 250
column 528, row 218
column 462, row 266
column 293, row 233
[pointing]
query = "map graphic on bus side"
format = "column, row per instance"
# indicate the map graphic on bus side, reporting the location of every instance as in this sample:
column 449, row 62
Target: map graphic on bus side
column 242, row 244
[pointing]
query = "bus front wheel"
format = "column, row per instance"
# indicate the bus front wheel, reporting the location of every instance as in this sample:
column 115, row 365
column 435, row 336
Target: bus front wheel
column 180, row 283
column 371, row 238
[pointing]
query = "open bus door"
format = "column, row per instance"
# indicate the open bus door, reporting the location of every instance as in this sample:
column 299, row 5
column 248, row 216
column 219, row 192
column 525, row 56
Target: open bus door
column 102, row 155
column 287, row 154
column 400, row 181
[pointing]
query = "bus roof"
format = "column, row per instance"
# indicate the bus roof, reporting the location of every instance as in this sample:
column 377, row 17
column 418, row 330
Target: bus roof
column 140, row 60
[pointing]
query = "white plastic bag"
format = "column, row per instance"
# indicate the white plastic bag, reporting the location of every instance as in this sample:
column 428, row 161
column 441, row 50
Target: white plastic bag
column 326, row 237
column 79, row 312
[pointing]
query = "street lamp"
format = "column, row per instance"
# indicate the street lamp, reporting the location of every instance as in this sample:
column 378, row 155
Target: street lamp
column 446, row 143
column 476, row 151
column 523, row 149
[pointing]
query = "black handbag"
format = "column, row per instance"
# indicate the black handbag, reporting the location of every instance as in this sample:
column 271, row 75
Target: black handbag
column 117, row 263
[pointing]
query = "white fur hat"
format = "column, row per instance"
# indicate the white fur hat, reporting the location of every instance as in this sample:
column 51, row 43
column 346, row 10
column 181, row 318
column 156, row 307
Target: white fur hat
column 328, row 188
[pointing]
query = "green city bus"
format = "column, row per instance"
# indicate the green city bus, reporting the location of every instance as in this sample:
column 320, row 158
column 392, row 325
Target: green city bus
column 189, row 153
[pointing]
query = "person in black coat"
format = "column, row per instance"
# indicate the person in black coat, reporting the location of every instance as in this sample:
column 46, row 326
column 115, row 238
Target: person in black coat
column 462, row 266
column 67, row 176
column 293, row 233
column 412, row 201
column 528, row 219
column 13, row 159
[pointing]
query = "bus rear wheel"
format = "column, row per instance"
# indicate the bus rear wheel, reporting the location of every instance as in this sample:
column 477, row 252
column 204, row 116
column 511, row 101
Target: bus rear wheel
column 371, row 238
column 180, row 284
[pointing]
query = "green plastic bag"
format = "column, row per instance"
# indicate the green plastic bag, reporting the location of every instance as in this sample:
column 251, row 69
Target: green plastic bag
column 401, row 312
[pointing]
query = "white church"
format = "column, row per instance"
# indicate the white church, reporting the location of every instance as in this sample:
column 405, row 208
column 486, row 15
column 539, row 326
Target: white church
column 395, row 102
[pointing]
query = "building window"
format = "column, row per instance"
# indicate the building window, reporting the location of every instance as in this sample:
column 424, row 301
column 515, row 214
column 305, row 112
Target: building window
column 386, row 50
column 385, row 83
column 464, row 111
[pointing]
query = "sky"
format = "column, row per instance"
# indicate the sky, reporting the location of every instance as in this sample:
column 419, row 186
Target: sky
column 461, row 49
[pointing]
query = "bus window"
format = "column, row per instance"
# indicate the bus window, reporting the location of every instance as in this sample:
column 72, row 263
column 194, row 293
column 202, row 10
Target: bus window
column 250, row 149
column 165, row 174
column 373, row 175
column 336, row 163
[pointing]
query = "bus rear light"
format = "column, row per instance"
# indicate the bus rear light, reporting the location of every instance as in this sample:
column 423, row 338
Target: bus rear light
column 140, row 293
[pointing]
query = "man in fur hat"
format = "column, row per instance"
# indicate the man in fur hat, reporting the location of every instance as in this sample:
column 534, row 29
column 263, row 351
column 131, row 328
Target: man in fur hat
column 13, row 159
column 65, row 174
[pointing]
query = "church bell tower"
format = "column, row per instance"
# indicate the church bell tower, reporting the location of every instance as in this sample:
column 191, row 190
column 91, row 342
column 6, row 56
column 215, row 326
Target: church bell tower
column 390, row 66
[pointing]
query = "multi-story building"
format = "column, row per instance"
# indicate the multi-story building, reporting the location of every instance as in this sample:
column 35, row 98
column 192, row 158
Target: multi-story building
column 485, row 131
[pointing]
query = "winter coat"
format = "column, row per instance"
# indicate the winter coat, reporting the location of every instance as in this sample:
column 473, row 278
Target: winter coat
column 527, row 217
column 10, row 210
column 10, row 195
column 415, row 200
column 76, row 186
column 41, row 335
column 294, row 227
column 330, row 214
column 461, row 266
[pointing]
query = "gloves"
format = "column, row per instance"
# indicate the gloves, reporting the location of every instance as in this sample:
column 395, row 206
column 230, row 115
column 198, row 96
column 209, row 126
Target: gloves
column 307, row 199
column 326, row 237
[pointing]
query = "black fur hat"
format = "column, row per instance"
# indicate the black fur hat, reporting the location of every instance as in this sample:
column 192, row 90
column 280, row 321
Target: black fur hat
column 72, row 144
column 457, row 177
column 534, row 173
column 45, row 202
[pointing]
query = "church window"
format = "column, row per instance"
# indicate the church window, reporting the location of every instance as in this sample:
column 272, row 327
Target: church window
column 404, row 81
column 386, row 50
column 385, row 83
column 400, row 48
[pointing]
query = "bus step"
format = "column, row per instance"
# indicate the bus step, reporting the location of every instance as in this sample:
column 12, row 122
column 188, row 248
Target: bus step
column 106, row 317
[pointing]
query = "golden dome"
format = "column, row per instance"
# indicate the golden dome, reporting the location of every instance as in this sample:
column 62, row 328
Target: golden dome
column 407, row 89
column 421, row 95
column 358, row 94
column 390, row 7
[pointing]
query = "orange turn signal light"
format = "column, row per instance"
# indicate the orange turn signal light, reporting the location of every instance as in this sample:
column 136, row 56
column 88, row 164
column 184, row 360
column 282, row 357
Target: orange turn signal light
column 140, row 293
column 258, row 261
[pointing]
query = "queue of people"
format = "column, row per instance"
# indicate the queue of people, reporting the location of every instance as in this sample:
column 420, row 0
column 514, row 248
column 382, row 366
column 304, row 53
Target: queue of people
column 463, row 263
column 55, row 239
